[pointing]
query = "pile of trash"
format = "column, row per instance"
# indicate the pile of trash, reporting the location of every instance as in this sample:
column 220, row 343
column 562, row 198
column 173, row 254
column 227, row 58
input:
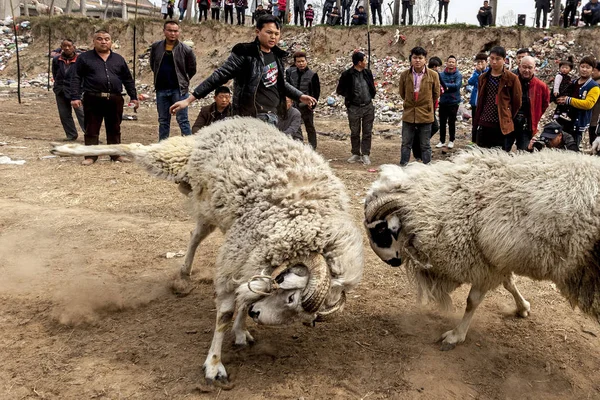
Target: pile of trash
column 7, row 39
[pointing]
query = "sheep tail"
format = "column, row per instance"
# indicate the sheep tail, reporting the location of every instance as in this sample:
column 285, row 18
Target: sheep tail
column 167, row 159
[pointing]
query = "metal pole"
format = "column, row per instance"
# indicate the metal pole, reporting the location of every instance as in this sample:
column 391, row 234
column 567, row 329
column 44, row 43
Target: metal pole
column 50, row 12
column 12, row 10
column 134, row 37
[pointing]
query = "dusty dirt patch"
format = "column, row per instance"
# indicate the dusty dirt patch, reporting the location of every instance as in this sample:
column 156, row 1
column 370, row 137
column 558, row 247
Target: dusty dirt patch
column 86, row 311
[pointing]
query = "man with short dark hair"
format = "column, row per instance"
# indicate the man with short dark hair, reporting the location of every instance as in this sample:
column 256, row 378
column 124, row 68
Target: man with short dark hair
column 307, row 81
column 484, row 16
column 327, row 7
column 480, row 68
column 258, row 77
column 62, row 66
column 535, row 101
column 100, row 75
column 357, row 87
column 590, row 13
column 520, row 54
column 498, row 100
column 419, row 87
column 360, row 16
column 173, row 64
column 334, row 18
column 291, row 123
column 217, row 111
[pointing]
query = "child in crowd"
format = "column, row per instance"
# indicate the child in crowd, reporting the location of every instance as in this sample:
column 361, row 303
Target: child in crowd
column 562, row 81
column 309, row 15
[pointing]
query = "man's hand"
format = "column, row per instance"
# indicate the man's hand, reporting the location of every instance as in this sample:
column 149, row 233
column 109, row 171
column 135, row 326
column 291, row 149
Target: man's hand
column 181, row 104
column 136, row 104
column 531, row 142
column 596, row 146
column 308, row 100
column 76, row 103
column 561, row 100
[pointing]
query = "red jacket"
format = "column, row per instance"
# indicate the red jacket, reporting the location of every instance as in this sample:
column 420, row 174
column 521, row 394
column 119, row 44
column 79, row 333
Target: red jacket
column 539, row 99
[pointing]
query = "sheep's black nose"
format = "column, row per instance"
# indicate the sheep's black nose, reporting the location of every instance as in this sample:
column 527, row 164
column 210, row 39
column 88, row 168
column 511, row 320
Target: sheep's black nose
column 253, row 314
column 394, row 262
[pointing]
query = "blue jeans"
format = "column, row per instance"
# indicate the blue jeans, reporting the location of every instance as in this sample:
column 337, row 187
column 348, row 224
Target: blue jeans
column 269, row 118
column 409, row 132
column 164, row 100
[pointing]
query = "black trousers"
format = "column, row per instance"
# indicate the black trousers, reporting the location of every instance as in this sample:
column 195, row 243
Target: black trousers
column 484, row 20
column 241, row 15
column 65, row 112
column 407, row 7
column 473, row 127
column 229, row 13
column 98, row 109
column 443, row 6
column 203, row 11
column 448, row 117
column 490, row 137
column 308, row 117
column 298, row 13
column 569, row 15
column 216, row 12
column 376, row 9
column 538, row 12
column 327, row 7
column 346, row 14
column 361, row 117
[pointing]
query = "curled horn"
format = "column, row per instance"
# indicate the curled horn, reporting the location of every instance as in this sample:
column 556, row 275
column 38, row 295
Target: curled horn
column 316, row 289
column 325, row 314
column 381, row 207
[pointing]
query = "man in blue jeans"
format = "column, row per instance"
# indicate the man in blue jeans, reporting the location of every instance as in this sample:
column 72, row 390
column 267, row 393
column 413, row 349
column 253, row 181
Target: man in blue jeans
column 173, row 64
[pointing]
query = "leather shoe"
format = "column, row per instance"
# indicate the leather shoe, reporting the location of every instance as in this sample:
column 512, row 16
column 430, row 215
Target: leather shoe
column 121, row 159
column 88, row 161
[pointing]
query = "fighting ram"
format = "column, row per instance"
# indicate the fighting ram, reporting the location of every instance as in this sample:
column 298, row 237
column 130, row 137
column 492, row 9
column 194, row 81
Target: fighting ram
column 291, row 249
column 487, row 215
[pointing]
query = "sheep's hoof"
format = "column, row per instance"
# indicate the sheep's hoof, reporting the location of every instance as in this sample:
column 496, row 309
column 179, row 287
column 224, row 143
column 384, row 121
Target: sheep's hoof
column 447, row 346
column 215, row 375
column 244, row 339
column 182, row 287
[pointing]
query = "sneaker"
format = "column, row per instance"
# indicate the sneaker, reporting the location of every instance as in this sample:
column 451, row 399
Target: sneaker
column 354, row 158
column 564, row 117
column 88, row 161
column 366, row 160
column 450, row 145
column 121, row 159
column 440, row 145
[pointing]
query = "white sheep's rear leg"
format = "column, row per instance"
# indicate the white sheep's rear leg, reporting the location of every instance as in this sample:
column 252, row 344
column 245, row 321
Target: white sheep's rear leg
column 523, row 306
column 242, row 336
column 457, row 335
column 181, row 286
column 214, row 371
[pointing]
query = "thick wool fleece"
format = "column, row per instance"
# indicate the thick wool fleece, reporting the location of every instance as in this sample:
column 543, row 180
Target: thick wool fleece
column 485, row 214
column 275, row 198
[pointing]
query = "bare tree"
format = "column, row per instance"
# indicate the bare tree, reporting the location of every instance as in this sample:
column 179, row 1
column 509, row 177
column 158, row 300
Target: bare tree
column 509, row 19
column 83, row 7
column 424, row 12
column 556, row 13
column 396, row 13
column 69, row 7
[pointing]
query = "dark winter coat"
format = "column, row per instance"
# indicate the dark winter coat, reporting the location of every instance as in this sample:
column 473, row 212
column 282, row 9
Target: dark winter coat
column 184, row 58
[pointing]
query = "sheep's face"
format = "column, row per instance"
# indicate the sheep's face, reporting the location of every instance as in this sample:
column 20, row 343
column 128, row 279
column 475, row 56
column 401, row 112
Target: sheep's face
column 283, row 305
column 383, row 235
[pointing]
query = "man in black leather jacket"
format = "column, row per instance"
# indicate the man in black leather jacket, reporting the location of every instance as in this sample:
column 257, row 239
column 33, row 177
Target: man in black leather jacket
column 258, row 72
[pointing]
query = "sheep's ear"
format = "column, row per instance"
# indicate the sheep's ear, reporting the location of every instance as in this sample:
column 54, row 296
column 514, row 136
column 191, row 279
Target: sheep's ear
column 295, row 277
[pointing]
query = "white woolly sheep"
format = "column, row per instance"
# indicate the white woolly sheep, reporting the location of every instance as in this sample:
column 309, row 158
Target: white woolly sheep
column 486, row 215
column 291, row 250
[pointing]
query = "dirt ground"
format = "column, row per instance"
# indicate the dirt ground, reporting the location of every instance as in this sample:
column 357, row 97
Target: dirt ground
column 86, row 311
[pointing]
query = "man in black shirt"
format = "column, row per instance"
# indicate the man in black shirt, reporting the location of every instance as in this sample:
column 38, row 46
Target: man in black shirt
column 358, row 88
column 101, row 74
column 173, row 64
column 484, row 16
column 307, row 81
column 257, row 71
column 62, row 65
